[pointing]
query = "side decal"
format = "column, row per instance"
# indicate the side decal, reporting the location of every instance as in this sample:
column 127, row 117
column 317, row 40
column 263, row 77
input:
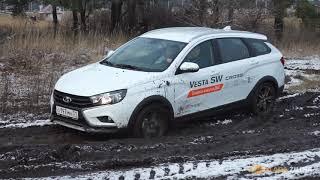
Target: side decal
column 206, row 90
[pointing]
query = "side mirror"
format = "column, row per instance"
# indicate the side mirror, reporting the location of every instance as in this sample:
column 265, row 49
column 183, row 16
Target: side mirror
column 189, row 67
column 109, row 53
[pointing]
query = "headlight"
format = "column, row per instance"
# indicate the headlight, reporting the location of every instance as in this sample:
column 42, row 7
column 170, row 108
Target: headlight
column 109, row 98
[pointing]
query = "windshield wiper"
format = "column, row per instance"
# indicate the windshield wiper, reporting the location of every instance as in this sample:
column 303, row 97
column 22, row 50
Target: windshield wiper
column 124, row 66
column 107, row 63
column 127, row 66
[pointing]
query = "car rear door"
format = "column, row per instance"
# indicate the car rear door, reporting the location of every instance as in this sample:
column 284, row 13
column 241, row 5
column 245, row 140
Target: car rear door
column 235, row 64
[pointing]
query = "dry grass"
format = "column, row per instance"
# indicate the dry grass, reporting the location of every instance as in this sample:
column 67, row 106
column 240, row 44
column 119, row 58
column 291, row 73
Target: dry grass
column 27, row 35
column 299, row 41
column 20, row 22
column 32, row 58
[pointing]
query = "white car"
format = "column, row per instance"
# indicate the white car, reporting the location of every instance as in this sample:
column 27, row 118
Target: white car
column 168, row 74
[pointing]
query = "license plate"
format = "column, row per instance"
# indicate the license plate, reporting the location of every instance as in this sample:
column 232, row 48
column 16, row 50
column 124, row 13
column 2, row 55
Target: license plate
column 67, row 112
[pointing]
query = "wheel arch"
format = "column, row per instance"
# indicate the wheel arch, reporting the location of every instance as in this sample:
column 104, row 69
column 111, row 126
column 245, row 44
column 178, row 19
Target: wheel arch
column 147, row 101
column 264, row 80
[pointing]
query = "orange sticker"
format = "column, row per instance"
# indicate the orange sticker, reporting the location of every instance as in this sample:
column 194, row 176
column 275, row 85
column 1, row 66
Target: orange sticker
column 206, row 90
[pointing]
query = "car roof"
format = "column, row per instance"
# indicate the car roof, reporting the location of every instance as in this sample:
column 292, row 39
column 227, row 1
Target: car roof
column 187, row 34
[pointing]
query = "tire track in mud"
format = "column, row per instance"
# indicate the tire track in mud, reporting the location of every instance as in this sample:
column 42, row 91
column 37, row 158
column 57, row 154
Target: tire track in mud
column 53, row 150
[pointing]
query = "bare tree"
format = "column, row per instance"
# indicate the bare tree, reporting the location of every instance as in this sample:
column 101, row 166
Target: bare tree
column 116, row 8
column 131, row 6
column 55, row 18
column 82, row 9
column 280, row 7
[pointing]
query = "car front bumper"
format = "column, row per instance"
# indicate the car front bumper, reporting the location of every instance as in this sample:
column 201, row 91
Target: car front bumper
column 81, row 127
column 88, row 119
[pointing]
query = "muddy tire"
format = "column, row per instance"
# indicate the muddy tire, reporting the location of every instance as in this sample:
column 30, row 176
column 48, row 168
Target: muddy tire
column 152, row 121
column 263, row 100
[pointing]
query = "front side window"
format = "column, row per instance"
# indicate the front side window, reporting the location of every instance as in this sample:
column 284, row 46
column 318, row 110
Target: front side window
column 145, row 54
column 232, row 49
column 202, row 55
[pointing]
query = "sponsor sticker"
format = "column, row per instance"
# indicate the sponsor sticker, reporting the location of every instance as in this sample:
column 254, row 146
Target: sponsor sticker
column 206, row 90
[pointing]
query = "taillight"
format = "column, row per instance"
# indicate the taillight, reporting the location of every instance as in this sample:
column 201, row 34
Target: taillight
column 283, row 60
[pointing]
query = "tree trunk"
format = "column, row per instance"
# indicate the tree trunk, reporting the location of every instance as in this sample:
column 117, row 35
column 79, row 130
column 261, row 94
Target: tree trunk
column 18, row 9
column 231, row 12
column 144, row 22
column 279, row 13
column 75, row 22
column 55, row 19
column 278, row 27
column 216, row 12
column 116, row 7
column 83, row 6
column 131, row 5
column 202, row 11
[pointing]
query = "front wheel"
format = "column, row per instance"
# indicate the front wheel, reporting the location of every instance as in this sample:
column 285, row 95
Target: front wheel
column 263, row 100
column 152, row 121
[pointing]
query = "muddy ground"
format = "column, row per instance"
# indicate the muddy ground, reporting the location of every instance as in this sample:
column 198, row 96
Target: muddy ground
column 56, row 151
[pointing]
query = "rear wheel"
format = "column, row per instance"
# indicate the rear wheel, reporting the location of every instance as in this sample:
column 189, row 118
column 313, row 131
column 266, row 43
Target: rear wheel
column 152, row 121
column 263, row 100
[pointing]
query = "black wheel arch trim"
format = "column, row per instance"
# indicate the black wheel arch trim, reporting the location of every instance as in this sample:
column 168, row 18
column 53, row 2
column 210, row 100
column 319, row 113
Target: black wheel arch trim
column 263, row 80
column 147, row 101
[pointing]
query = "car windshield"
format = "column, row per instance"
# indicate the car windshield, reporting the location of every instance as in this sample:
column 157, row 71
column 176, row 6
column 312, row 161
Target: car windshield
column 145, row 54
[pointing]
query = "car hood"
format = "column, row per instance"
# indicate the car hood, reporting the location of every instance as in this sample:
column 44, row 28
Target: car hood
column 96, row 79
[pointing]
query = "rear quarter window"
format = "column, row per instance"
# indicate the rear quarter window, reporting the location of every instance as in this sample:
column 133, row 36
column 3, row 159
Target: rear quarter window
column 257, row 47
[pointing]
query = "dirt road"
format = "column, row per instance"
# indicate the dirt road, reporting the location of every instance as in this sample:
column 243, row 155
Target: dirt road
column 49, row 150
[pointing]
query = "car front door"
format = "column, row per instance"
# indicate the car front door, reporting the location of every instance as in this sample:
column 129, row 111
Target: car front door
column 196, row 91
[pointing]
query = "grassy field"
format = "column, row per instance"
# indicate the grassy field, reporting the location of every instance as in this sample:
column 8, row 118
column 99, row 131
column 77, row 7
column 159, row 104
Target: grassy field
column 32, row 58
column 25, row 34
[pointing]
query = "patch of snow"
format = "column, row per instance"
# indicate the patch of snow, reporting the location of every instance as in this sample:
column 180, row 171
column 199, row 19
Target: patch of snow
column 201, row 140
column 298, row 165
column 316, row 100
column 27, row 124
column 298, row 108
column 312, row 63
column 294, row 82
column 301, row 70
column 289, row 96
column 315, row 133
column 226, row 121
column 311, row 114
column 23, row 120
column 313, row 107
column 219, row 122
column 248, row 132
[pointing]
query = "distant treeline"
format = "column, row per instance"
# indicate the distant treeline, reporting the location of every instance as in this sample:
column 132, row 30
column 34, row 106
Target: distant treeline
column 132, row 16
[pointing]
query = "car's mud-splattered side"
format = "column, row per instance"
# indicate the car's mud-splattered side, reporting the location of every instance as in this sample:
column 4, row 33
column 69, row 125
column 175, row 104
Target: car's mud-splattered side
column 52, row 150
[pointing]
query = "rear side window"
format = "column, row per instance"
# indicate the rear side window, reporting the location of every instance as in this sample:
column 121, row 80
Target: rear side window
column 232, row 49
column 258, row 47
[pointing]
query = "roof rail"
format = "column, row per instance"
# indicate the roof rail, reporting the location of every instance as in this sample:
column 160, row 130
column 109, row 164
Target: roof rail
column 227, row 28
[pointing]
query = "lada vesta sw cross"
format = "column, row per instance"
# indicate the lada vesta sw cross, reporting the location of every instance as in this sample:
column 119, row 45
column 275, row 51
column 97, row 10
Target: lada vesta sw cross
column 169, row 74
